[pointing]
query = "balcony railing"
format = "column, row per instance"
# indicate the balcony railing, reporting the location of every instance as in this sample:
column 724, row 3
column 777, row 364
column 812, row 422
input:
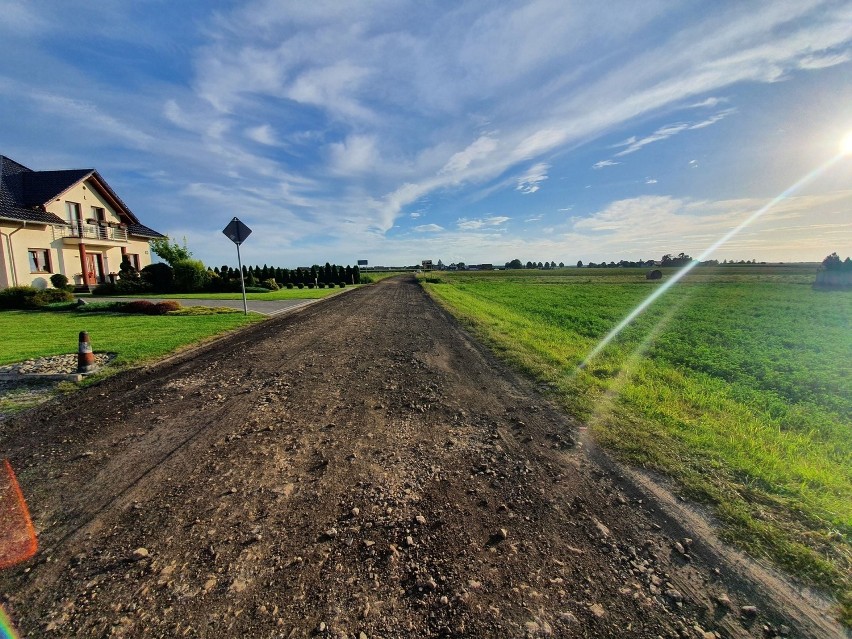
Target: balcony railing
column 91, row 232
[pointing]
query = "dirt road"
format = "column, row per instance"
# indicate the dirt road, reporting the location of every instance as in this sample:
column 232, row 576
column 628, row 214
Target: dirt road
column 361, row 468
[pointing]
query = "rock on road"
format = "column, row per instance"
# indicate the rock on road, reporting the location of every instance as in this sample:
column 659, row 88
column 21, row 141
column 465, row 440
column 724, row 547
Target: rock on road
column 360, row 468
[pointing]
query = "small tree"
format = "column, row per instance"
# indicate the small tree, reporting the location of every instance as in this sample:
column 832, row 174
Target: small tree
column 170, row 251
column 127, row 272
column 190, row 275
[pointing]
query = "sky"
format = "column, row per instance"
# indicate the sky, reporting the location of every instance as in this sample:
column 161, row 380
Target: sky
column 476, row 131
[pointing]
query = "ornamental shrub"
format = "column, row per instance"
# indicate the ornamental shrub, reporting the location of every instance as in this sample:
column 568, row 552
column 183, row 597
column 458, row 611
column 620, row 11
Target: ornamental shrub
column 27, row 297
column 342, row 285
column 59, row 281
column 139, row 306
column 190, row 275
column 160, row 277
column 161, row 308
column 300, row 285
column 270, row 284
column 322, row 285
column 289, row 284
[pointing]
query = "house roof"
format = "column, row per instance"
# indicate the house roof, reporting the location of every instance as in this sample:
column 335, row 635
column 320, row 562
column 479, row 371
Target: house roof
column 12, row 196
column 40, row 187
column 24, row 194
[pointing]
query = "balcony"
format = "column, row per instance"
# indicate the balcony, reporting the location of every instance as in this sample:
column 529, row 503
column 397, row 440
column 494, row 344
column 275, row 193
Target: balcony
column 91, row 233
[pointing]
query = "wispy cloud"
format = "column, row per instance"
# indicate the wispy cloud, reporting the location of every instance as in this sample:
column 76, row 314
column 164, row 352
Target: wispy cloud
column 480, row 223
column 535, row 218
column 824, row 61
column 530, row 182
column 428, row 228
column 604, row 163
column 263, row 134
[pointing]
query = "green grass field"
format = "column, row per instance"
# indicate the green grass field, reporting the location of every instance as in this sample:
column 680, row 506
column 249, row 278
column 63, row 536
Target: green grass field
column 282, row 294
column 735, row 383
column 134, row 338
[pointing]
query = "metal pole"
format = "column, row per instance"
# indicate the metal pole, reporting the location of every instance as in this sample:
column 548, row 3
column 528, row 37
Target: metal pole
column 242, row 280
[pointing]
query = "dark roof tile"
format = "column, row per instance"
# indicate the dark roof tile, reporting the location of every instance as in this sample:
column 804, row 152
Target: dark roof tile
column 40, row 187
column 140, row 230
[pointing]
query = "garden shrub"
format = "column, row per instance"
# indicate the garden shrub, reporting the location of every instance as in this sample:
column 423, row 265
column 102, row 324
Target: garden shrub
column 270, row 284
column 289, row 284
column 160, row 277
column 300, row 285
column 107, row 288
column 139, row 306
column 311, row 285
column 27, row 297
column 59, row 281
column 256, row 289
column 161, row 308
column 322, row 285
column 342, row 285
column 190, row 275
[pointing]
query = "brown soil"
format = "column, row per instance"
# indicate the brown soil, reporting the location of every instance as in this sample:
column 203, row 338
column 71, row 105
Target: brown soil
column 360, row 468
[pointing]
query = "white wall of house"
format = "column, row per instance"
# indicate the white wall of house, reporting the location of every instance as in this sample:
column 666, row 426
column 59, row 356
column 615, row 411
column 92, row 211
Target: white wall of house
column 55, row 254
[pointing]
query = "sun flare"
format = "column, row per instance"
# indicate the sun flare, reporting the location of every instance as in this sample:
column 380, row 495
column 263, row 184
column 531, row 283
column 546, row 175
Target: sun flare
column 846, row 144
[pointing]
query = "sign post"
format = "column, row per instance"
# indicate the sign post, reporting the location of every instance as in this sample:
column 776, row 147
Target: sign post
column 237, row 232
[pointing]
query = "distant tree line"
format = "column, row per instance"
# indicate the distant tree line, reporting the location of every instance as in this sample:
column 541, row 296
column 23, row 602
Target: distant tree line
column 274, row 277
column 179, row 273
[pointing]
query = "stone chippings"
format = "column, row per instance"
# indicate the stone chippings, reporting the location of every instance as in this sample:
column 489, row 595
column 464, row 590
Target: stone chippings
column 53, row 365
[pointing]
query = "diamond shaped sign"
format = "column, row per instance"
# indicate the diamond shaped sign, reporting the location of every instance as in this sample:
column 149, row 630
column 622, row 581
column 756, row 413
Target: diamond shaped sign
column 236, row 231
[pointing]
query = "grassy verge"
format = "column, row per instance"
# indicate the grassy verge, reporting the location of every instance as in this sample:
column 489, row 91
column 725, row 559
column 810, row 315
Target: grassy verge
column 282, row 294
column 735, row 383
column 134, row 338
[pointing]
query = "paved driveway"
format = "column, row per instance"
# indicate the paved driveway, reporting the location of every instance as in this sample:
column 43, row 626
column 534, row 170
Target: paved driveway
column 264, row 307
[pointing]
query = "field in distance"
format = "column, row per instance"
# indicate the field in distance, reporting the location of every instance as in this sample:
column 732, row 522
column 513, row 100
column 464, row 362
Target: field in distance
column 735, row 383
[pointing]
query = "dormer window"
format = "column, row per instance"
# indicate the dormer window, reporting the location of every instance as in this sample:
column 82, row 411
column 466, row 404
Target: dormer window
column 99, row 214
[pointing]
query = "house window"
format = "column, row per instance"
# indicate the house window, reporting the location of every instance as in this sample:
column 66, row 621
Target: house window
column 39, row 261
column 73, row 212
column 134, row 259
column 99, row 214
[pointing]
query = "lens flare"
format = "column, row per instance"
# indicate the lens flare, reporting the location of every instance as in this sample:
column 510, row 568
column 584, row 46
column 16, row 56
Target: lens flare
column 636, row 312
column 846, row 144
column 7, row 630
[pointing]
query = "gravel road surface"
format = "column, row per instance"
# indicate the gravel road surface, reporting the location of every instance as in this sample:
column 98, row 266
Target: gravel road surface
column 359, row 468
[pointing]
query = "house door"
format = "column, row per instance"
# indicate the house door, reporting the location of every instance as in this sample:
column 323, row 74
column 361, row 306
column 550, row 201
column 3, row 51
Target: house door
column 95, row 267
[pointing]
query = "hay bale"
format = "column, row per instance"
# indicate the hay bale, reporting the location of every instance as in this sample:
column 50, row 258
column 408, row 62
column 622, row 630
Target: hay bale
column 656, row 274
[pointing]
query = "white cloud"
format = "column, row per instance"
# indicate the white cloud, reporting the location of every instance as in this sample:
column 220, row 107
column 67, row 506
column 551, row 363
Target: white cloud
column 709, row 103
column 263, row 134
column 477, row 151
column 480, row 223
column 530, row 181
column 650, row 226
column 662, row 133
column 604, row 163
column 414, row 215
column 713, row 119
column 356, row 154
column 428, row 228
column 534, row 218
column 824, row 61
column 650, row 181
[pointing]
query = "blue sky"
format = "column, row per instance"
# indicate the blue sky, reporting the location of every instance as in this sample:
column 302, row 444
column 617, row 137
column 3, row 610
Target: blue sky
column 472, row 131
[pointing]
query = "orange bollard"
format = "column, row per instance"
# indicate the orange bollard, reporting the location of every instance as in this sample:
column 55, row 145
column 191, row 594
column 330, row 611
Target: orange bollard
column 85, row 356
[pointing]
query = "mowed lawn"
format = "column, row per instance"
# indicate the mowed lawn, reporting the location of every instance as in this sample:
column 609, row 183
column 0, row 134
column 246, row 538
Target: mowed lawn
column 736, row 383
column 134, row 338
column 281, row 294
